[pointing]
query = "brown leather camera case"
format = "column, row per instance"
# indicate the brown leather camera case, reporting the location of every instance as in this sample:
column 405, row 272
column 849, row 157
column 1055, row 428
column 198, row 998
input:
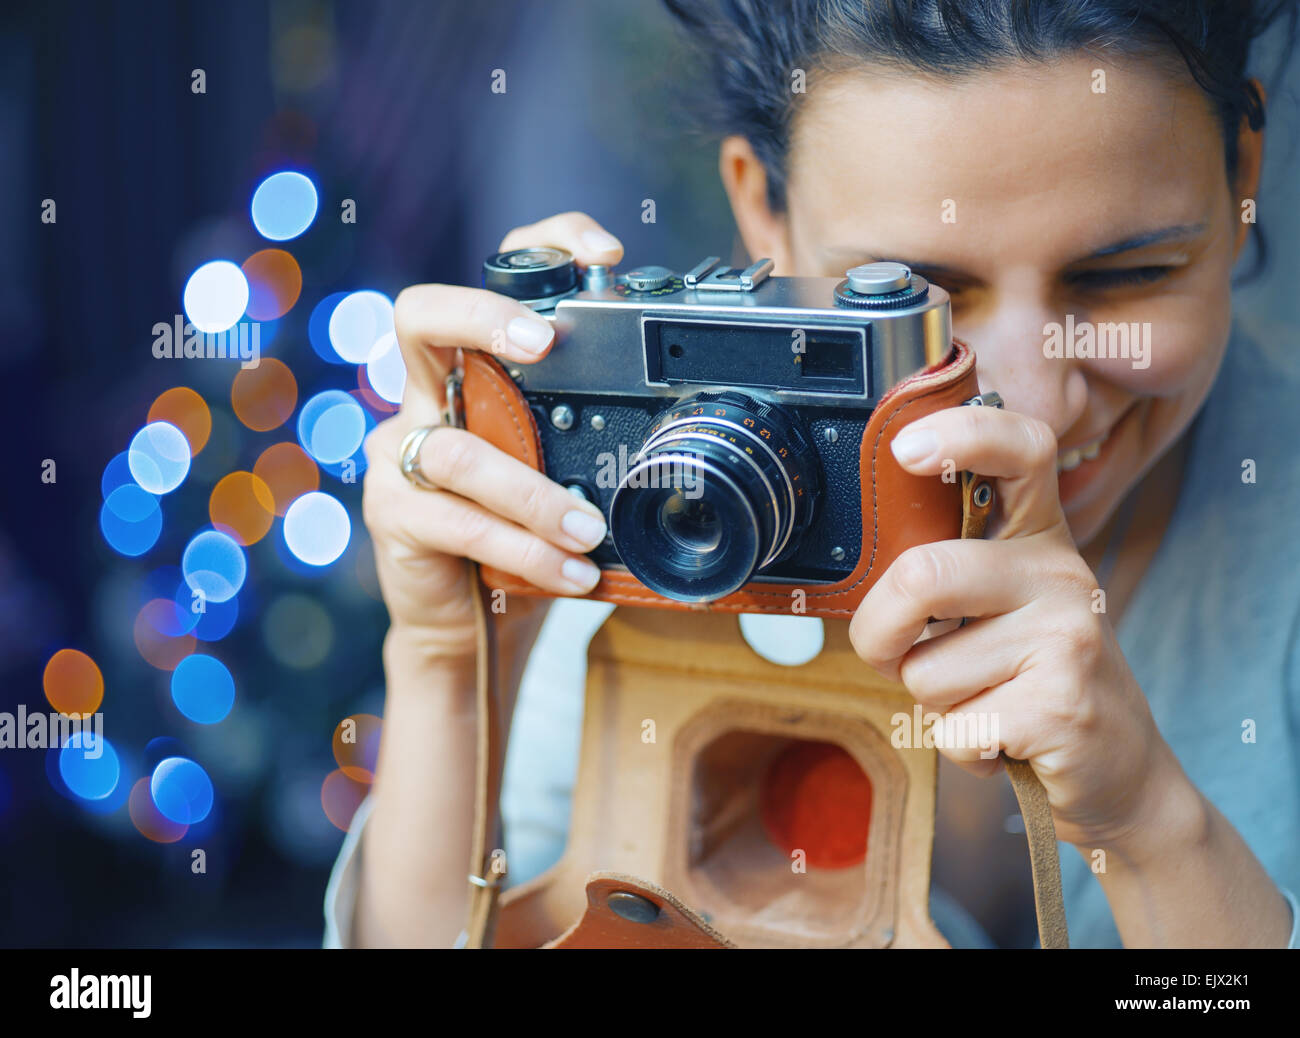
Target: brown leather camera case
column 899, row 510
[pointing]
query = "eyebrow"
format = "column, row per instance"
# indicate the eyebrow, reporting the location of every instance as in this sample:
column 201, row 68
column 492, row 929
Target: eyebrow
column 1130, row 244
column 1139, row 241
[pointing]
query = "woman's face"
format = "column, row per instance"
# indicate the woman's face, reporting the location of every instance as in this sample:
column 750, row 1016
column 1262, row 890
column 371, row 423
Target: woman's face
column 1030, row 197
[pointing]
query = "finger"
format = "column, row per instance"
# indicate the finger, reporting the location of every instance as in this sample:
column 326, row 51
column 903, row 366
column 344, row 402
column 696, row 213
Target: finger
column 444, row 522
column 976, row 764
column 944, row 579
column 433, row 320
column 945, row 671
column 1019, row 451
column 576, row 233
column 462, row 463
column 970, row 735
column 1018, row 715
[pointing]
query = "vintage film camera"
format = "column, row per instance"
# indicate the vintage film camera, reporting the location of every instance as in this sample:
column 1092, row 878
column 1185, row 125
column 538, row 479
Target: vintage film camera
column 732, row 426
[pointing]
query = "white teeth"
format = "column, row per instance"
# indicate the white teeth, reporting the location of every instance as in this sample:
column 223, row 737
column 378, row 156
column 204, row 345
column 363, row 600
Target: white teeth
column 1072, row 459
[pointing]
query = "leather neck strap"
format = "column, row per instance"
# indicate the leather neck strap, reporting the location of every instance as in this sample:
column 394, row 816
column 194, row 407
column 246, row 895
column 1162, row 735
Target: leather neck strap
column 1040, row 830
column 488, row 872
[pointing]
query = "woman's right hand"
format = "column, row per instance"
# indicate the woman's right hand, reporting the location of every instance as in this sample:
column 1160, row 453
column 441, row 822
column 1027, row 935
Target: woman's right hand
column 490, row 507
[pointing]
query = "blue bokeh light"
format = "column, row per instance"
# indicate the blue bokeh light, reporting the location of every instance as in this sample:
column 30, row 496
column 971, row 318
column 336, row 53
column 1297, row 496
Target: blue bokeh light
column 214, row 564
column 89, row 765
column 318, row 327
column 214, row 621
column 331, row 426
column 130, row 520
column 203, row 689
column 317, row 528
column 181, row 790
column 353, row 467
column 159, row 748
column 117, row 473
column 284, row 205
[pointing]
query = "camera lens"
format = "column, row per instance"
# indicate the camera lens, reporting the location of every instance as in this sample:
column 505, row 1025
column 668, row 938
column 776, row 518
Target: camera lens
column 691, row 525
column 722, row 488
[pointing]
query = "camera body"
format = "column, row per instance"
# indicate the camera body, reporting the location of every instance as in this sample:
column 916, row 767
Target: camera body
column 729, row 423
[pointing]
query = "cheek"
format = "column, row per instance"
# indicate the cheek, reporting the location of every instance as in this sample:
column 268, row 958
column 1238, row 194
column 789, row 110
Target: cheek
column 1183, row 334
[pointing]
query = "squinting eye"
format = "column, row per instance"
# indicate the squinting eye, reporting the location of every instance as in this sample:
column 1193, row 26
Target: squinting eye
column 1103, row 279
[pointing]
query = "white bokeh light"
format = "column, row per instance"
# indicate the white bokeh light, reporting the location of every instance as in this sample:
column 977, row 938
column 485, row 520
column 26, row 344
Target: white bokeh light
column 216, row 296
column 159, row 458
column 359, row 321
column 386, row 369
column 317, row 528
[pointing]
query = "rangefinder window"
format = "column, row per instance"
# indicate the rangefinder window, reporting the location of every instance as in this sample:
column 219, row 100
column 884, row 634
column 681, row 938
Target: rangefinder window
column 806, row 358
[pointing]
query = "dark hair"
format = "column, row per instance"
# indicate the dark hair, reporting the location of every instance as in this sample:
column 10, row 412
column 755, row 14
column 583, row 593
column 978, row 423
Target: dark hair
column 752, row 46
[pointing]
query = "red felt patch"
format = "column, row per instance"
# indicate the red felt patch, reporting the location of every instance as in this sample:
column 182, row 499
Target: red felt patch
column 815, row 797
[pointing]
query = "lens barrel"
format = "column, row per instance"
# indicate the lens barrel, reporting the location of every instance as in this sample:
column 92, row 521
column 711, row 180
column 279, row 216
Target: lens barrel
column 722, row 488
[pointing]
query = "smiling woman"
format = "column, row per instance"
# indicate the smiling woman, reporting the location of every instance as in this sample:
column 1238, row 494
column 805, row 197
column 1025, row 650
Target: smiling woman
column 1117, row 212
column 1136, row 600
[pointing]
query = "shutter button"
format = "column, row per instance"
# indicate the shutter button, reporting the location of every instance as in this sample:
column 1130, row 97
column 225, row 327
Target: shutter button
column 875, row 279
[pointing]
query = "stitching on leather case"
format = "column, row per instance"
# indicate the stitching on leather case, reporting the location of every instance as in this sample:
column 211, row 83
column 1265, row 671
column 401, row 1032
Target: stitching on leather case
column 494, row 377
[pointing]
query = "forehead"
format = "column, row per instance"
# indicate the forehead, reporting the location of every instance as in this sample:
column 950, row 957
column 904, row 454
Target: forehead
column 1020, row 150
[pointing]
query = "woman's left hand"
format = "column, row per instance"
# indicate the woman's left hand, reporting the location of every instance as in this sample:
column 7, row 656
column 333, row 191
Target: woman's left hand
column 1038, row 656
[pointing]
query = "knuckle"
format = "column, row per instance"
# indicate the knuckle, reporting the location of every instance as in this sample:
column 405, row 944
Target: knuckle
column 473, row 529
column 519, row 237
column 1081, row 642
column 407, row 308
column 535, row 558
column 373, row 504
column 378, row 441
column 451, row 462
column 481, row 310
column 1073, row 708
column 916, row 572
column 1041, row 443
column 533, row 506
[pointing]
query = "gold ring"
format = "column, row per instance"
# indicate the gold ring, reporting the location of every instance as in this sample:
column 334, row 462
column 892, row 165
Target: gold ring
column 409, row 457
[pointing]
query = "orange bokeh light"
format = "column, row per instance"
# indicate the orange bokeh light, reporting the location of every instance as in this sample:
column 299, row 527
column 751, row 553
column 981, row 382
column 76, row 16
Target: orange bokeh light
column 289, row 472
column 146, row 817
column 340, row 797
column 242, row 505
column 161, row 650
column 264, row 396
column 356, row 746
column 186, row 410
column 73, row 682
column 365, row 393
column 274, row 283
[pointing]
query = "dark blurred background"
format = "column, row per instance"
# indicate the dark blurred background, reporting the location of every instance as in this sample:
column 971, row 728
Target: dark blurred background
column 389, row 105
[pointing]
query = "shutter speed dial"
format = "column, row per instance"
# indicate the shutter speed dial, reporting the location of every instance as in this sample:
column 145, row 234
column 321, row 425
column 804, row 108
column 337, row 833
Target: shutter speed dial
column 647, row 279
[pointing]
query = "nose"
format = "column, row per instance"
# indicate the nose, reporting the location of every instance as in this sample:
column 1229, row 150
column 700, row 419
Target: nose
column 1008, row 342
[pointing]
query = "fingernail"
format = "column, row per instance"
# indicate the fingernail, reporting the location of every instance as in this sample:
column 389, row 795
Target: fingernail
column 582, row 574
column 583, row 527
column 529, row 333
column 599, row 241
column 914, row 446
